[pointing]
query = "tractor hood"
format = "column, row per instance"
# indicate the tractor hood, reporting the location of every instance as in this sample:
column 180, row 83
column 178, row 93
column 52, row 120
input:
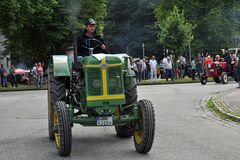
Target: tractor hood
column 104, row 80
column 97, row 59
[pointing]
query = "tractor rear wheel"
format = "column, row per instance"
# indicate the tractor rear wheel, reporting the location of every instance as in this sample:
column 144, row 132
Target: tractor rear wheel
column 203, row 79
column 62, row 129
column 127, row 131
column 131, row 91
column 56, row 92
column 144, row 136
column 224, row 78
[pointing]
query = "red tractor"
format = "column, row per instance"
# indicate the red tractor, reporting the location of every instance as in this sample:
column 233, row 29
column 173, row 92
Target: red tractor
column 219, row 71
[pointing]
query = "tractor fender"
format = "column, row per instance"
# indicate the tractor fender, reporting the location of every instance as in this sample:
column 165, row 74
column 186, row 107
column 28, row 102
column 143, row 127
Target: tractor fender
column 61, row 66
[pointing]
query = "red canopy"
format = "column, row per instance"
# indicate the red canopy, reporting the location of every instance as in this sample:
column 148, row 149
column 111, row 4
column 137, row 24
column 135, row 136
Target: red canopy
column 21, row 71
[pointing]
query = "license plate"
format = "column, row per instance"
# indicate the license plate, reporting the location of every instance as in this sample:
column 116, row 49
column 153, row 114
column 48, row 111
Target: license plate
column 104, row 121
column 211, row 70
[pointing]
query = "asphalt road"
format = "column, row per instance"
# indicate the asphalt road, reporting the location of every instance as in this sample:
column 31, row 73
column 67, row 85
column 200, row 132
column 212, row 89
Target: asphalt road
column 183, row 131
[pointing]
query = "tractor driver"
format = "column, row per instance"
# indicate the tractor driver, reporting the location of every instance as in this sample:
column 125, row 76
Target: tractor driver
column 90, row 39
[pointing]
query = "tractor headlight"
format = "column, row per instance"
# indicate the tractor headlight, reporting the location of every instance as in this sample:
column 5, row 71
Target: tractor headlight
column 96, row 83
column 112, row 83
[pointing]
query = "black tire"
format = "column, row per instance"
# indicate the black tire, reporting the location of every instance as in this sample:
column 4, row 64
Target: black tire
column 144, row 136
column 235, row 77
column 63, row 132
column 56, row 92
column 203, row 79
column 127, row 131
column 224, row 78
column 131, row 91
column 217, row 79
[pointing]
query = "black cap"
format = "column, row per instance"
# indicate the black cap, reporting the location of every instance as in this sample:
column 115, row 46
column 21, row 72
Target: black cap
column 90, row 21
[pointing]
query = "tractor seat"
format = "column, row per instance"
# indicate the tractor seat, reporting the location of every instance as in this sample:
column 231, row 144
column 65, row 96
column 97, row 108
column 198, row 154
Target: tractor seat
column 77, row 66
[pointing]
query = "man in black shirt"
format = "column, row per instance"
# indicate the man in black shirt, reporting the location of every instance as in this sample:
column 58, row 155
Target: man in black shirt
column 227, row 56
column 90, row 39
column 228, row 60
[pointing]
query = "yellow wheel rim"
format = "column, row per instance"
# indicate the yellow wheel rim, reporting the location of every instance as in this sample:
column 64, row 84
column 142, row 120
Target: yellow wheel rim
column 57, row 135
column 138, row 135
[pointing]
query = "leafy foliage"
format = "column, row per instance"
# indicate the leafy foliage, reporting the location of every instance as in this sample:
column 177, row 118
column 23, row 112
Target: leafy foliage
column 217, row 21
column 36, row 29
column 175, row 32
column 129, row 24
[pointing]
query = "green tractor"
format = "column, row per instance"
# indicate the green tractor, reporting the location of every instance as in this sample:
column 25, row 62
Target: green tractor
column 101, row 92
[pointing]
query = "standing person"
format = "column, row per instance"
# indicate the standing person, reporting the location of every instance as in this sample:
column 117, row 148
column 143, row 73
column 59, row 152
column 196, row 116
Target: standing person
column 199, row 66
column 39, row 75
column 145, row 70
column 181, row 66
column 135, row 69
column 153, row 68
column 3, row 76
column 140, row 69
column 227, row 59
column 193, row 64
column 13, row 76
column 169, row 69
column 34, row 71
column 237, row 65
column 148, row 69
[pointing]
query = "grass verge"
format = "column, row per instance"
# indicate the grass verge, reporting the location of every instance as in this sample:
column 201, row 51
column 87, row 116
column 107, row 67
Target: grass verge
column 163, row 81
column 213, row 108
column 21, row 88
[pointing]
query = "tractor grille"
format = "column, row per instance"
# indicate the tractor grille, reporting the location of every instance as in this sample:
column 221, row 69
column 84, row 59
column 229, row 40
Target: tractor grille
column 114, row 80
column 94, row 82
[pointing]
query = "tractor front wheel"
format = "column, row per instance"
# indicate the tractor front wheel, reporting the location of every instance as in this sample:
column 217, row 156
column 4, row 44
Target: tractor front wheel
column 62, row 129
column 144, row 135
column 203, row 79
column 224, row 78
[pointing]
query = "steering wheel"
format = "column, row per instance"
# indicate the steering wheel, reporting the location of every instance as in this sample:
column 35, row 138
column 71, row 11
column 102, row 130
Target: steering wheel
column 92, row 49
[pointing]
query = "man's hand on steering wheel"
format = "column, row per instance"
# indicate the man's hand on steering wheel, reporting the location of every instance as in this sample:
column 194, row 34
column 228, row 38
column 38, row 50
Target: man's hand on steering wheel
column 99, row 43
column 103, row 47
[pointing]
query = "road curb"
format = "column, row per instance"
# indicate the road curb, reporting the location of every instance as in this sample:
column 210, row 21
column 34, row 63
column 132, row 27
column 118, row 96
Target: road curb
column 22, row 90
column 223, row 107
column 164, row 83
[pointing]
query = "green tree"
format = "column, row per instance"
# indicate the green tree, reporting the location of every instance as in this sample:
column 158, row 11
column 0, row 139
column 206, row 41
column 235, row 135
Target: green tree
column 217, row 21
column 81, row 10
column 129, row 24
column 32, row 29
column 36, row 29
column 175, row 32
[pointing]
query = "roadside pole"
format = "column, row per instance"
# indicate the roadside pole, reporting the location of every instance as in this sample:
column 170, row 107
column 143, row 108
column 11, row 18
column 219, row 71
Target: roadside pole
column 143, row 46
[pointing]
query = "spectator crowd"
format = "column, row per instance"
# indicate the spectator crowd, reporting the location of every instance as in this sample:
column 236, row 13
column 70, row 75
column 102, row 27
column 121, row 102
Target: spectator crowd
column 149, row 69
column 36, row 76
